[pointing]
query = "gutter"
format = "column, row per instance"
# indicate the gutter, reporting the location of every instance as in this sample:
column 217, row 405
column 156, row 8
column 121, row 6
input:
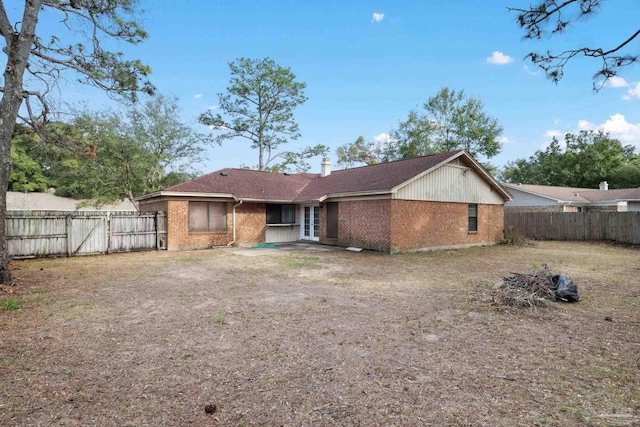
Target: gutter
column 234, row 221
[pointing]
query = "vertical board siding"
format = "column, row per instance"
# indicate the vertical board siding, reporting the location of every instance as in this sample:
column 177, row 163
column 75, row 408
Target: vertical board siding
column 52, row 233
column 450, row 184
column 621, row 227
column 282, row 234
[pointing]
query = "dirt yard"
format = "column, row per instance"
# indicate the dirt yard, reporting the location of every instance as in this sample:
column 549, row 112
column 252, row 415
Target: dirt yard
column 331, row 338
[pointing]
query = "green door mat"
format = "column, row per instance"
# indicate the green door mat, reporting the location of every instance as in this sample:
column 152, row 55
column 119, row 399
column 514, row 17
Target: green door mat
column 265, row 245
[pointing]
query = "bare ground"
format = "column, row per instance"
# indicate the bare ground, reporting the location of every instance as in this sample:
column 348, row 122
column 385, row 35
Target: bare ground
column 335, row 338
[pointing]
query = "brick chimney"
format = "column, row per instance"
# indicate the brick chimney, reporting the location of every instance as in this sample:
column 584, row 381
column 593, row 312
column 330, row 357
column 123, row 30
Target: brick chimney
column 325, row 167
column 604, row 185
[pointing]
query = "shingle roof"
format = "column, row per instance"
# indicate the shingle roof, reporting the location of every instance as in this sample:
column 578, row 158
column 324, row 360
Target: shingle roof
column 563, row 194
column 379, row 177
column 257, row 185
column 247, row 184
column 573, row 194
column 612, row 195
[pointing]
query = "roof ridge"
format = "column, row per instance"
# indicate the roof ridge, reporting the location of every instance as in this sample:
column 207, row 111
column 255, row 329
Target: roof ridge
column 400, row 160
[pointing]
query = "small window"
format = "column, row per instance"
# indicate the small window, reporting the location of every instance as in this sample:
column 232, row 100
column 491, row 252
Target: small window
column 207, row 216
column 332, row 220
column 473, row 217
column 281, row 214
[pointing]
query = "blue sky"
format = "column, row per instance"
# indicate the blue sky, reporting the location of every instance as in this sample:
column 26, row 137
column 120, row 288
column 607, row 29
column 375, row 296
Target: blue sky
column 366, row 64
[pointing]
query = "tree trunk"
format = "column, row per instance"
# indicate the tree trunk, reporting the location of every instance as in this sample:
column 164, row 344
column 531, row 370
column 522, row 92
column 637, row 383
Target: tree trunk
column 18, row 46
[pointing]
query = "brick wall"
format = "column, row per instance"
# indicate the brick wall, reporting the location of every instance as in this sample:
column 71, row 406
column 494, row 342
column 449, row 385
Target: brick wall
column 420, row 224
column 152, row 206
column 250, row 224
column 363, row 224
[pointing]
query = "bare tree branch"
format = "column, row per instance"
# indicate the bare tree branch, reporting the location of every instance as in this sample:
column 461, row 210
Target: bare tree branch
column 5, row 25
column 548, row 14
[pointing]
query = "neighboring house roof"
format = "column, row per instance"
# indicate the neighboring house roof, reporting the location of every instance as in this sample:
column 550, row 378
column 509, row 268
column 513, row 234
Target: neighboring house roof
column 17, row 201
column 381, row 178
column 577, row 195
column 559, row 194
column 623, row 194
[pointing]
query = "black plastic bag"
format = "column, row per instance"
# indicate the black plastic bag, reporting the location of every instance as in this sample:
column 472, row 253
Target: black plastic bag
column 565, row 288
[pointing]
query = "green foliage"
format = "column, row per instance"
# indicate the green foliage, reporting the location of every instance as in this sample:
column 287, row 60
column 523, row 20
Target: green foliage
column 627, row 175
column 26, row 173
column 297, row 161
column 450, row 120
column 107, row 156
column 258, row 106
column 359, row 151
column 586, row 159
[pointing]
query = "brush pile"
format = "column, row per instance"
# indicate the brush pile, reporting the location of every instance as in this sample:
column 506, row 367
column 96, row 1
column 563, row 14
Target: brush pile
column 535, row 288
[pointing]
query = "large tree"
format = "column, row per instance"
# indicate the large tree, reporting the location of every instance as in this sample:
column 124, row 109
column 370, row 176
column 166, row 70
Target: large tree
column 258, row 106
column 75, row 48
column 584, row 160
column 359, row 152
column 448, row 121
column 121, row 154
column 552, row 17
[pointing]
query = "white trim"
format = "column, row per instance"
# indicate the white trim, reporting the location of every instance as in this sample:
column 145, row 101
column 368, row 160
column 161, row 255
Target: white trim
column 185, row 194
column 311, row 207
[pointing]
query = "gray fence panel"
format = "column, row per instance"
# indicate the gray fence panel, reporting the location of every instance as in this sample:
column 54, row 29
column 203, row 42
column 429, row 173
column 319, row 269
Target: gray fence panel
column 132, row 232
column 53, row 233
column 30, row 234
column 622, row 227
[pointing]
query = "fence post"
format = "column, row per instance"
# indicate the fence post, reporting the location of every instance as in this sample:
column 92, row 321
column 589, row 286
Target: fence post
column 69, row 233
column 157, row 230
column 108, row 231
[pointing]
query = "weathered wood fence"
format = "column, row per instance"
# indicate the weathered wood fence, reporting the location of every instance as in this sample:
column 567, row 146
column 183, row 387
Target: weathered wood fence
column 33, row 234
column 621, row 227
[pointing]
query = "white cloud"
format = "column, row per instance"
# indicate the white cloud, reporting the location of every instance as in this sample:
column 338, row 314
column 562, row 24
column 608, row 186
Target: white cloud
column 504, row 140
column 499, row 58
column 550, row 134
column 198, row 96
column 553, row 133
column 585, row 125
column 377, row 17
column 531, row 73
column 212, row 107
column 618, row 127
column 634, row 92
column 556, row 122
column 382, row 138
column 616, row 81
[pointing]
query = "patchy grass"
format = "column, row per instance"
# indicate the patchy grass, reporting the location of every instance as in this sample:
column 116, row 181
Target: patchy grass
column 12, row 304
column 336, row 338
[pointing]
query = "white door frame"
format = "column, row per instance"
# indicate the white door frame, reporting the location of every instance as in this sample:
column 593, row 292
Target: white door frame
column 312, row 222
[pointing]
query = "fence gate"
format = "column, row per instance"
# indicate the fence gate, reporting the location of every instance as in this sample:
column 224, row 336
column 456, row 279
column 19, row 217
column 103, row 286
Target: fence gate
column 88, row 235
column 52, row 233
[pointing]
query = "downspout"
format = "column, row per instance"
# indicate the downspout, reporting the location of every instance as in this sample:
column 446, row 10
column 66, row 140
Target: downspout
column 234, row 221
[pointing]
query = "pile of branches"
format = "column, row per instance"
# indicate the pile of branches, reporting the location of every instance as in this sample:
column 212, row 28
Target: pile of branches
column 525, row 289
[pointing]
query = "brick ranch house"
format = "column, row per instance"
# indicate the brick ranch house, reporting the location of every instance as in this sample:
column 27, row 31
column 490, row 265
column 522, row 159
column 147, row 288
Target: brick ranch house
column 439, row 201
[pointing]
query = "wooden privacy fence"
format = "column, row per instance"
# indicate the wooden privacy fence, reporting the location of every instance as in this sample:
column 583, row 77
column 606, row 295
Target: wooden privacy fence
column 622, row 227
column 53, row 233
